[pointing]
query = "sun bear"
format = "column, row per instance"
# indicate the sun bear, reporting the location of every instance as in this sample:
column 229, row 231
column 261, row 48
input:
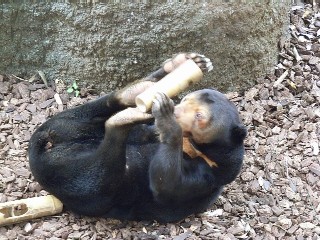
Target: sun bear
column 106, row 158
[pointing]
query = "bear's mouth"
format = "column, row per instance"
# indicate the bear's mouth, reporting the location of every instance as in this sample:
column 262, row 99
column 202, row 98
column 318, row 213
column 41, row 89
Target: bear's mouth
column 187, row 134
column 176, row 112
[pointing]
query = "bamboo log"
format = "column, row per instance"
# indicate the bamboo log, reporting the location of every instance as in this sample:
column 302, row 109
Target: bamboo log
column 30, row 208
column 172, row 84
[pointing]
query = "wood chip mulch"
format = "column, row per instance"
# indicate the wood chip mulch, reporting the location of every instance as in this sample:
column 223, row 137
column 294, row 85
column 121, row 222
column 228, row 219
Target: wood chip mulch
column 276, row 196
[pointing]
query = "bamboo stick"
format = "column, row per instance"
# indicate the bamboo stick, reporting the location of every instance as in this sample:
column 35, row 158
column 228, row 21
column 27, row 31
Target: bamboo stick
column 175, row 82
column 25, row 209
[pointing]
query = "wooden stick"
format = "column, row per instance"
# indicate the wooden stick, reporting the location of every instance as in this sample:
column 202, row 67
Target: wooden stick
column 281, row 78
column 296, row 54
column 175, row 82
column 30, row 208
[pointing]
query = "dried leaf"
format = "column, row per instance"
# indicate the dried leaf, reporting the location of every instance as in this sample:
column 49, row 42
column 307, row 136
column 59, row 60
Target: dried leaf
column 292, row 84
column 43, row 78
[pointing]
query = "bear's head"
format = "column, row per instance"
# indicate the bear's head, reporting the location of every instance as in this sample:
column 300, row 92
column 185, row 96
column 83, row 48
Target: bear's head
column 207, row 116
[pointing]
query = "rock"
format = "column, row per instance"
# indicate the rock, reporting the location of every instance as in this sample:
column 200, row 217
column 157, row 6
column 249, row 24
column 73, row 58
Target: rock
column 75, row 235
column 132, row 41
column 23, row 90
column 307, row 225
column 314, row 60
column 315, row 168
column 28, row 228
column 277, row 210
column 32, row 108
column 285, row 223
column 276, row 130
column 247, row 176
column 4, row 87
column 264, row 94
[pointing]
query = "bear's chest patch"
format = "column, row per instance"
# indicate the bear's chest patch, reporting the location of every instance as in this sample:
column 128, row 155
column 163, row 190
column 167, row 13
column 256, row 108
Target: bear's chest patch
column 192, row 152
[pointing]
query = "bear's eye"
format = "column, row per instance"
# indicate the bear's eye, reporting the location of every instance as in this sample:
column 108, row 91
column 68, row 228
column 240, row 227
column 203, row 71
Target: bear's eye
column 199, row 116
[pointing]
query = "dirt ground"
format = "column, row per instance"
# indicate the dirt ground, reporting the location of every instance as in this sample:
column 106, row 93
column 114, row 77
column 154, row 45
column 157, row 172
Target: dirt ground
column 277, row 194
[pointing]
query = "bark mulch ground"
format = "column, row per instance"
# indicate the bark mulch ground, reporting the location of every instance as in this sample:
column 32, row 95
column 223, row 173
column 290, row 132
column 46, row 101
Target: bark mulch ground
column 277, row 194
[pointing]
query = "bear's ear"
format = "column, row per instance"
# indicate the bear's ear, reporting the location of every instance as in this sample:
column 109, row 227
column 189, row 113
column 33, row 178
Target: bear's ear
column 238, row 133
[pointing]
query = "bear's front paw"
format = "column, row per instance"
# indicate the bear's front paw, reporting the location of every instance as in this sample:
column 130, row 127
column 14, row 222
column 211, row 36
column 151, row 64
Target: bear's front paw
column 169, row 130
column 162, row 106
